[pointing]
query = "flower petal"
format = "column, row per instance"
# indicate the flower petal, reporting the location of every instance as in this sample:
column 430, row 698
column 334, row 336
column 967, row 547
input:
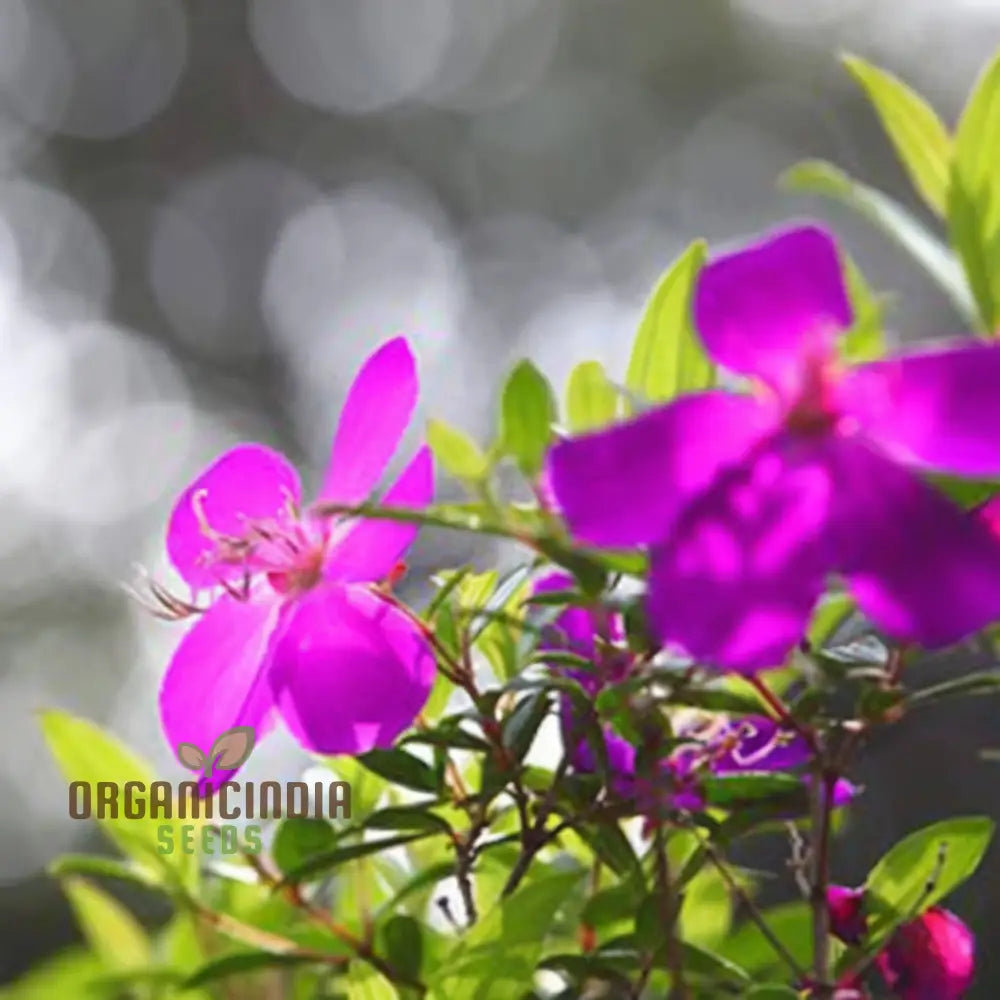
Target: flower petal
column 762, row 745
column 370, row 548
column 350, row 670
column 623, row 486
column 735, row 584
column 763, row 310
column 249, row 482
column 918, row 566
column 217, row 676
column 937, row 409
column 375, row 416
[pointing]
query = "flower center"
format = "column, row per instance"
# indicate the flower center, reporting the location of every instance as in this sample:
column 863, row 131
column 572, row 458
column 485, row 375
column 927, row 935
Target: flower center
column 814, row 408
column 288, row 550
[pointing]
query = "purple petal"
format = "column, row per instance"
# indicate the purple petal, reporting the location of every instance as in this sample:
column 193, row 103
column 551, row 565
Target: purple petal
column 939, row 410
column 217, row 676
column 374, row 418
column 371, row 548
column 918, row 566
column 847, row 916
column 625, row 485
column 574, row 629
column 763, row 745
column 735, row 585
column 350, row 671
column 766, row 309
column 247, row 483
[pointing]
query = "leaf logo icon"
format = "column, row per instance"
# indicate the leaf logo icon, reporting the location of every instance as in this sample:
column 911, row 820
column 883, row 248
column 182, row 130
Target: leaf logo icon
column 229, row 751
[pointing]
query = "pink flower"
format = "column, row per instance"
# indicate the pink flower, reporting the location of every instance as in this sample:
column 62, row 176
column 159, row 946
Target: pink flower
column 929, row 958
column 295, row 627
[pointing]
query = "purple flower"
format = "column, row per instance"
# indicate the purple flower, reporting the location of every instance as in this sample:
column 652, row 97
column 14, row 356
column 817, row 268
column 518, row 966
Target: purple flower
column 749, row 502
column 929, row 958
column 295, row 627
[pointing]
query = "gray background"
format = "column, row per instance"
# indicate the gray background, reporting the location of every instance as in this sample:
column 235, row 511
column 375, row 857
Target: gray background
column 210, row 212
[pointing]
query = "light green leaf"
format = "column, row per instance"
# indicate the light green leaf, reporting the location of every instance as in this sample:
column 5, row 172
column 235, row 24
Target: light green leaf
column 85, row 753
column 240, row 963
column 591, row 400
column 60, row 978
column 527, row 411
column 818, row 178
column 496, row 959
column 865, row 341
column 923, row 868
column 114, row 934
column 365, row 983
column 750, row 949
column 974, row 202
column 667, row 356
column 457, row 453
column 300, row 838
column 921, row 140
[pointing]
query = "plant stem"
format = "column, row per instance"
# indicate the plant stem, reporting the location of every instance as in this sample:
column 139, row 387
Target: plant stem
column 670, row 914
column 821, row 796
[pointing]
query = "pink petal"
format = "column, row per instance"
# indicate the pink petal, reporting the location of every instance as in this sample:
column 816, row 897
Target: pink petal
column 217, row 676
column 249, row 482
column 937, row 409
column 764, row 310
column 350, row 670
column 624, row 486
column 735, row 584
column 919, row 567
column 379, row 405
column 371, row 548
column 930, row 958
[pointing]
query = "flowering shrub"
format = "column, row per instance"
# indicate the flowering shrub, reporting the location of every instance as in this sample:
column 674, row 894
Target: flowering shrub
column 694, row 552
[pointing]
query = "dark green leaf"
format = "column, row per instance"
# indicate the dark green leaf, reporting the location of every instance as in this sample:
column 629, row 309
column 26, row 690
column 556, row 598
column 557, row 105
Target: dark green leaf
column 528, row 410
column 401, row 768
column 403, row 944
column 771, row 991
column 727, row 790
column 299, row 839
column 960, row 687
column 521, row 726
column 611, row 845
column 322, row 864
column 243, row 962
column 407, row 818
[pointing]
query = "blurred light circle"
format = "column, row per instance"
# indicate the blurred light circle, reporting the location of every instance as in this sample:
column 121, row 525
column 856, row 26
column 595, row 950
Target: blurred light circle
column 92, row 68
column 497, row 52
column 65, row 264
column 348, row 56
column 372, row 262
column 209, row 249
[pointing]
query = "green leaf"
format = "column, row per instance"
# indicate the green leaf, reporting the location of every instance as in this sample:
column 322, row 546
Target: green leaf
column 298, row 839
column 521, row 726
column 60, row 978
column 85, row 753
column 961, row 687
column 818, row 178
column 365, row 983
column 457, row 453
column 322, row 864
column 974, row 201
column 114, row 934
column 591, row 400
column 243, row 962
column 865, row 341
column 611, row 845
column 923, row 868
column 727, row 790
column 496, row 958
column 401, row 768
column 403, row 945
column 527, row 411
column 407, row 818
column 771, row 991
column 921, row 140
column 749, row 949
column 96, row 866
column 667, row 356
column 831, row 612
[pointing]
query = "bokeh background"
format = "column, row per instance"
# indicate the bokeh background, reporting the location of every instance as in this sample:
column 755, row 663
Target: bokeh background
column 211, row 211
